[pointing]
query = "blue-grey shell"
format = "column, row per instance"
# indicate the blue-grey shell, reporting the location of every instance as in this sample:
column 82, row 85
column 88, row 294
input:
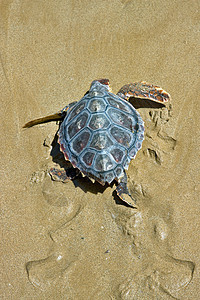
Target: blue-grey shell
column 100, row 134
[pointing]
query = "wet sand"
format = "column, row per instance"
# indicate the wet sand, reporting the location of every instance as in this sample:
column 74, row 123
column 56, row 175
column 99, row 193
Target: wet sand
column 75, row 240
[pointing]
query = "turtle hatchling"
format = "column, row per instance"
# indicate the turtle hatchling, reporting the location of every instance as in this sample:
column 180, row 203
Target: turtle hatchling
column 102, row 132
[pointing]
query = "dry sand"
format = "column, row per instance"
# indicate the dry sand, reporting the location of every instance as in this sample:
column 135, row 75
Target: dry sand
column 73, row 240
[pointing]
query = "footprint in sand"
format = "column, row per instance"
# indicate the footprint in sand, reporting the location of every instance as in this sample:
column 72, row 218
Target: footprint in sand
column 50, row 271
column 161, row 275
column 162, row 280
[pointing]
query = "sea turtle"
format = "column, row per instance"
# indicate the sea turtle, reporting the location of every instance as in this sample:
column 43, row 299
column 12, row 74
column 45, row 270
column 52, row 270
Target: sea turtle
column 102, row 132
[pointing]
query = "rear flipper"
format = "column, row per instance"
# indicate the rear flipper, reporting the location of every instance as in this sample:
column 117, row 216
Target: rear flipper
column 63, row 175
column 123, row 192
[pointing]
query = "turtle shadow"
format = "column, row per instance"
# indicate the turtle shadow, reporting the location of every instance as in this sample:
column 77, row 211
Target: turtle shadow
column 73, row 173
column 145, row 103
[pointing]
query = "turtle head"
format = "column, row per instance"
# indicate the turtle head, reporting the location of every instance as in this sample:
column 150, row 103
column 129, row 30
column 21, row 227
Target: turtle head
column 100, row 85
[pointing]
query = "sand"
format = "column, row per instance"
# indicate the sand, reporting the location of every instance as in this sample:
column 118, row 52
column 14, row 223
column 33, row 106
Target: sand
column 75, row 240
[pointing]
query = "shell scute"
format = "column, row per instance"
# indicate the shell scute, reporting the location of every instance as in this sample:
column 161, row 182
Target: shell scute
column 121, row 118
column 118, row 171
column 121, row 136
column 88, row 158
column 117, row 154
column 99, row 121
column 80, row 142
column 101, row 141
column 103, row 162
column 77, row 109
column 97, row 105
column 119, row 104
column 77, row 124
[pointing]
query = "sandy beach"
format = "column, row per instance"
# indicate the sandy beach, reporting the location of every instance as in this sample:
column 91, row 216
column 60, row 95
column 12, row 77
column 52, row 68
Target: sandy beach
column 74, row 240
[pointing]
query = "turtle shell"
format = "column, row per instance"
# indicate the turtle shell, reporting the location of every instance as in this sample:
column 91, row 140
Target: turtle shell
column 100, row 134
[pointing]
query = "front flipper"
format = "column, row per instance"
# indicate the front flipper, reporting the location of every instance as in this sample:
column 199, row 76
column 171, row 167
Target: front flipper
column 55, row 117
column 123, row 192
column 144, row 90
